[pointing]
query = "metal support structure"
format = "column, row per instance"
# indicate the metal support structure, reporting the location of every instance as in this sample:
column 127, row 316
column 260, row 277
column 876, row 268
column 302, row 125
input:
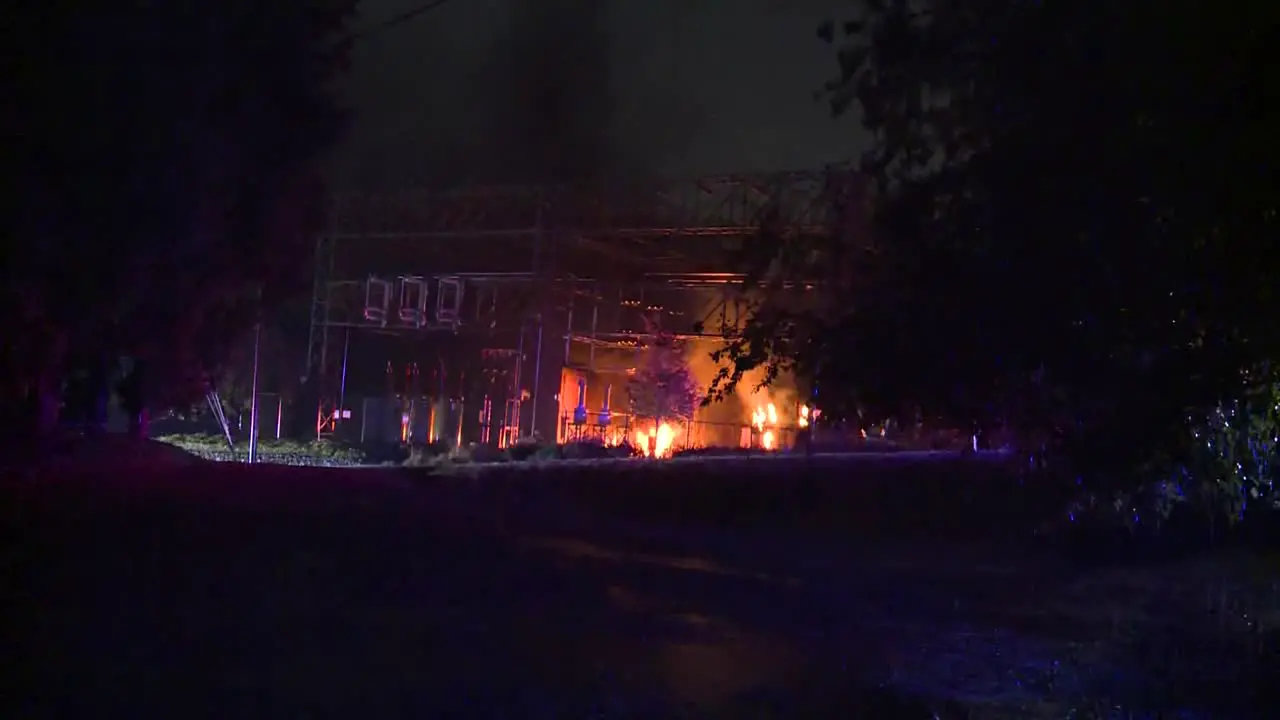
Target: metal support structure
column 517, row 389
column 537, row 380
column 342, row 382
column 568, row 324
column 317, row 336
column 595, row 321
column 543, row 301
column 215, row 407
column 680, row 236
column 731, row 205
column 253, row 397
column 724, row 310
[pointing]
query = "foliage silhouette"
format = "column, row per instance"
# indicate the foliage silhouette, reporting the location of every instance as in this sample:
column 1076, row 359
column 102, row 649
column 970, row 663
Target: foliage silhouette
column 1063, row 231
column 170, row 179
column 663, row 388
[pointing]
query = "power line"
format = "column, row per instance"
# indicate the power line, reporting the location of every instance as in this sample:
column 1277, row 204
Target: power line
column 399, row 19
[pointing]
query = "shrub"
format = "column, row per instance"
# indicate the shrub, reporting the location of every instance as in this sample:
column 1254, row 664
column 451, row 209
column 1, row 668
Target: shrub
column 625, row 450
column 524, row 449
column 585, row 450
column 485, row 454
column 423, row 455
column 283, row 451
column 1225, row 478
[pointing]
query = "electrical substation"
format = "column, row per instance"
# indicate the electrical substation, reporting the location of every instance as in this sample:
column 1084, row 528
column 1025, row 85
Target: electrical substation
column 492, row 313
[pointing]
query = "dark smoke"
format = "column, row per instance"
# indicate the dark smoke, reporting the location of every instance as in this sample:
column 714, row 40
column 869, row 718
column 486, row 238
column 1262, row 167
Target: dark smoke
column 521, row 91
column 559, row 111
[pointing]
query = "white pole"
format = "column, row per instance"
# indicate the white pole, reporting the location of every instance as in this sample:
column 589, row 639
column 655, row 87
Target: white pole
column 253, row 401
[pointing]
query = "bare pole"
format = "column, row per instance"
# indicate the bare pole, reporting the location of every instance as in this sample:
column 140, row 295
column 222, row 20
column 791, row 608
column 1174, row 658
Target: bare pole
column 542, row 305
column 517, row 386
column 325, row 267
column 253, row 400
column 215, row 406
column 537, row 378
column 595, row 318
column 318, row 285
column 342, row 384
column 568, row 332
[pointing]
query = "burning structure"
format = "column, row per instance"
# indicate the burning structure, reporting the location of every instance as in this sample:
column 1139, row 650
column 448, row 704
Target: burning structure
column 485, row 315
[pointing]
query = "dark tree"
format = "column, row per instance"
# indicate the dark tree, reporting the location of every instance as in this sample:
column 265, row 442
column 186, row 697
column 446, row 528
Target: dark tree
column 169, row 163
column 663, row 388
column 277, row 373
column 1072, row 207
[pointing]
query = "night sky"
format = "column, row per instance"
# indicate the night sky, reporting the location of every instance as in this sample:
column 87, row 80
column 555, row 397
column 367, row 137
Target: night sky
column 686, row 87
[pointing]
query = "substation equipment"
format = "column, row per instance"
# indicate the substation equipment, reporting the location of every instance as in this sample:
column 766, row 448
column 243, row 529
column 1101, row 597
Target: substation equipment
column 490, row 313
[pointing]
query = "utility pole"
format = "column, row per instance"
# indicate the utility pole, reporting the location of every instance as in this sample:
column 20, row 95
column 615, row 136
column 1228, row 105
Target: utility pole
column 253, row 399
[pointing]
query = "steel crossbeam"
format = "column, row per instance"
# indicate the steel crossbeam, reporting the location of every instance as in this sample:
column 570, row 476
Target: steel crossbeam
column 717, row 206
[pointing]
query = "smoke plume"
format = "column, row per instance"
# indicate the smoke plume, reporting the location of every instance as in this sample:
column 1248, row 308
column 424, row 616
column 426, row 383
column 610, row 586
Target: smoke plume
column 559, row 117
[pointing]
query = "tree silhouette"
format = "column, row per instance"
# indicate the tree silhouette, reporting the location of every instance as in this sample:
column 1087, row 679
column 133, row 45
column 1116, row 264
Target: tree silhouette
column 170, row 177
column 663, row 388
column 1064, row 203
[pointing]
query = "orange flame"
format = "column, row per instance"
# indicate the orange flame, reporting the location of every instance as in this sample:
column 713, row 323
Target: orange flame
column 763, row 419
column 657, row 442
column 764, row 425
column 764, row 414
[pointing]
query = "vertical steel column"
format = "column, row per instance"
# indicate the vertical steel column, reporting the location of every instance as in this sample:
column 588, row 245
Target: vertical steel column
column 724, row 311
column 517, row 388
column 319, row 288
column 537, row 380
column 538, row 237
column 253, row 398
column 568, row 332
column 462, row 406
column 321, row 318
column 595, row 319
column 342, row 383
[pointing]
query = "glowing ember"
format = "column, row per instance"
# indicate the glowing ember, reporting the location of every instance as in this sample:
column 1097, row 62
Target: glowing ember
column 656, row 443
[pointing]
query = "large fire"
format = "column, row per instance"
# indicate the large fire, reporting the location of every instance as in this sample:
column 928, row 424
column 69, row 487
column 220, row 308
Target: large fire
column 764, row 423
column 765, row 420
column 656, row 442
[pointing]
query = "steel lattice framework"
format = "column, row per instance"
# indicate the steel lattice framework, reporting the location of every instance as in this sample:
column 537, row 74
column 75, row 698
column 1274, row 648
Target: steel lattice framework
column 534, row 244
column 722, row 205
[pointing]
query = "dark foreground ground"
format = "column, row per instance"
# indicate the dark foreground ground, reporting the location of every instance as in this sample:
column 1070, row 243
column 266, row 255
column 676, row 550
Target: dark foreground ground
column 232, row 592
